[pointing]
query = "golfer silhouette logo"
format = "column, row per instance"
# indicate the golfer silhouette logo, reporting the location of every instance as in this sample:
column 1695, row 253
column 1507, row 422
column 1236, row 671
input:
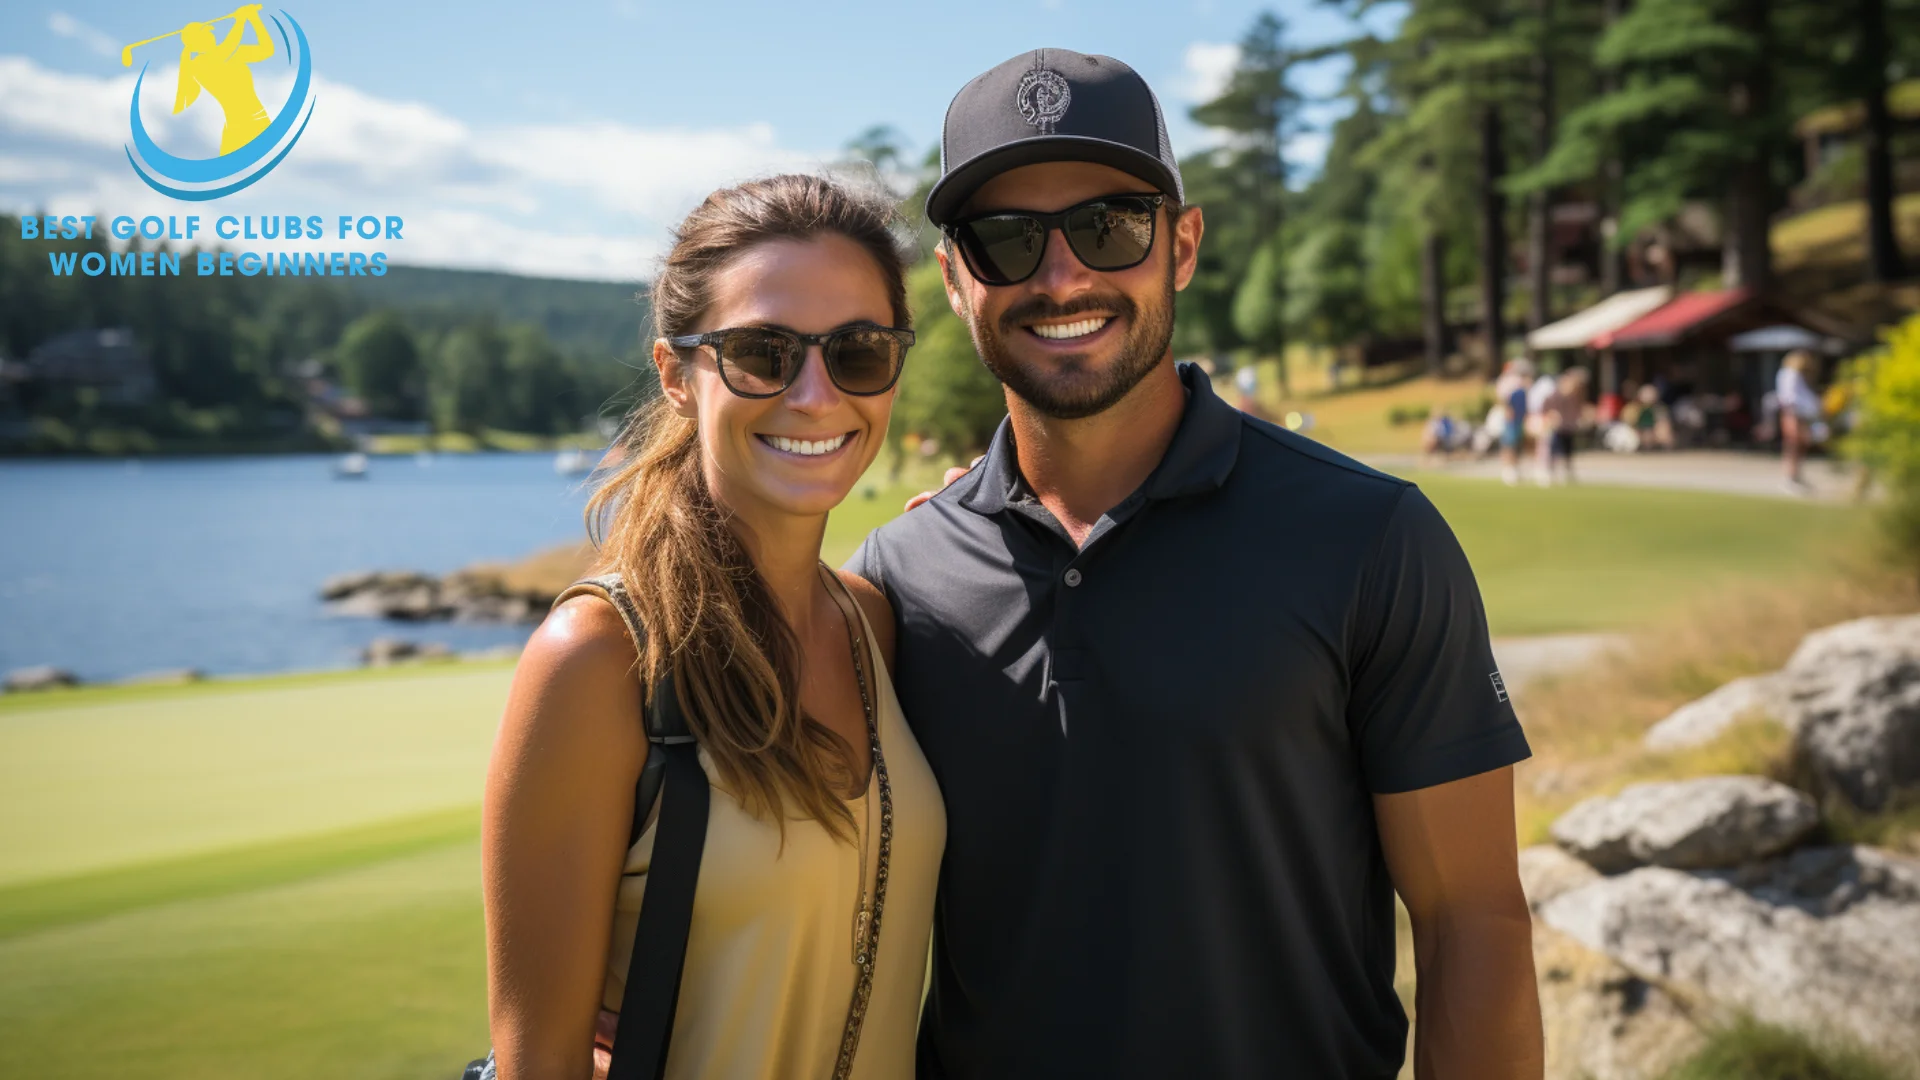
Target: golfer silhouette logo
column 214, row 70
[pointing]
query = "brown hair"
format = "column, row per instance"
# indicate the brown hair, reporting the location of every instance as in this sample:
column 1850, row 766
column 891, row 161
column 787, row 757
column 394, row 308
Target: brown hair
column 710, row 620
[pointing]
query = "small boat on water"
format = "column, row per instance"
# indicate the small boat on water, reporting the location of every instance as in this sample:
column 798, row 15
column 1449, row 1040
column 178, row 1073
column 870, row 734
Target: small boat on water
column 574, row 462
column 351, row 467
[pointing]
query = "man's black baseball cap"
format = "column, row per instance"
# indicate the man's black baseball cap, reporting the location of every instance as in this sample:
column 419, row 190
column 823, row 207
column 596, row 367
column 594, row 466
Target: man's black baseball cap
column 1051, row 105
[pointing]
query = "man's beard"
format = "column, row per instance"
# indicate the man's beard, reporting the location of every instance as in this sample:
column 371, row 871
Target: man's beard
column 1072, row 390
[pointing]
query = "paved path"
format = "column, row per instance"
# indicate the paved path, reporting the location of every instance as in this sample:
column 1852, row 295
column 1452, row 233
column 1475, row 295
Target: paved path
column 1524, row 659
column 1697, row 470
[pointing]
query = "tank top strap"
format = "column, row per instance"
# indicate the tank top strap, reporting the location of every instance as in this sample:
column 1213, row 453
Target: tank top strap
column 612, row 588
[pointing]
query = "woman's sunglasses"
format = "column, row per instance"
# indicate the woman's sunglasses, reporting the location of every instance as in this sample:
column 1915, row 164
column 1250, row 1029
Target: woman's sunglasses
column 762, row 361
column 1113, row 232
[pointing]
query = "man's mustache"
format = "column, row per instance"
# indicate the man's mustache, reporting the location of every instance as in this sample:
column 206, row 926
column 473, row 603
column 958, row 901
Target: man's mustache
column 1039, row 308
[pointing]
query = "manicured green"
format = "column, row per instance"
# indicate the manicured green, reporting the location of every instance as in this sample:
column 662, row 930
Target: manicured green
column 1594, row 558
column 277, row 877
column 87, row 787
column 38, row 905
column 376, row 973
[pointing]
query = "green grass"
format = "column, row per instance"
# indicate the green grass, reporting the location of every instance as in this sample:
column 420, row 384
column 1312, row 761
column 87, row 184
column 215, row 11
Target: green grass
column 1753, row 1051
column 1595, row 558
column 376, row 973
column 39, row 905
column 278, row 877
column 91, row 786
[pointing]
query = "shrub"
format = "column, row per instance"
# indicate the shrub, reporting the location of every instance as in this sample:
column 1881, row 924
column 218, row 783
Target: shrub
column 1887, row 436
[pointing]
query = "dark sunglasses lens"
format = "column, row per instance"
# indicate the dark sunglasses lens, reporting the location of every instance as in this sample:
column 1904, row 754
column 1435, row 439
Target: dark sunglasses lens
column 756, row 362
column 1004, row 249
column 1111, row 235
column 865, row 361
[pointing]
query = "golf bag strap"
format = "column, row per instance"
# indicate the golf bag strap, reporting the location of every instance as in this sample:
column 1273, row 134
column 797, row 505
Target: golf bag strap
column 674, row 776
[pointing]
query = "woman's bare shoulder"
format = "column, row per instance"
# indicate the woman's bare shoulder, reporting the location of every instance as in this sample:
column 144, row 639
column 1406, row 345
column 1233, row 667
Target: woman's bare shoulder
column 576, row 688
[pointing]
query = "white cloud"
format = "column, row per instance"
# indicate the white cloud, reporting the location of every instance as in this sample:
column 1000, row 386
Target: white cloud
column 1205, row 68
column 96, row 41
column 590, row 199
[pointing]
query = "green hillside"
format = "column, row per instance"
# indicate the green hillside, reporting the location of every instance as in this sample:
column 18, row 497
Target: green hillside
column 593, row 317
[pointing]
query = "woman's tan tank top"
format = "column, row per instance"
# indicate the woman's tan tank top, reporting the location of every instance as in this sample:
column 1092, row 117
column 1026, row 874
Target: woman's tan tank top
column 769, row 969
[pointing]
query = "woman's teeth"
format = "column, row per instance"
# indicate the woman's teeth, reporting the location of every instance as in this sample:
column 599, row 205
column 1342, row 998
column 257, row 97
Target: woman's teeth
column 1070, row 330
column 804, row 447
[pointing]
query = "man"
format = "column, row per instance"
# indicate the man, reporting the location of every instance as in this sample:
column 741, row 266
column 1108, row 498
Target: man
column 1181, row 788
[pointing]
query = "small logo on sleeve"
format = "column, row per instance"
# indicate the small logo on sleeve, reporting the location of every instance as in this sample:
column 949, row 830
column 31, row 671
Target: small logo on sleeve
column 1499, row 686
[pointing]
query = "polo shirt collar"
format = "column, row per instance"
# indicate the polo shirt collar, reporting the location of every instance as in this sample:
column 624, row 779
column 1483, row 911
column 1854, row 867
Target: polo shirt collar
column 1199, row 458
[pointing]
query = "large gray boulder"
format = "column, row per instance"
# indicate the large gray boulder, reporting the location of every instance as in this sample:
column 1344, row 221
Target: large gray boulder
column 1705, row 822
column 1824, row 940
column 1546, row 872
column 1602, row 1021
column 1853, row 704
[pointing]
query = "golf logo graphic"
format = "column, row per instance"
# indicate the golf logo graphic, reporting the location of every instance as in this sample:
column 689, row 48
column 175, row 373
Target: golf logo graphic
column 218, row 66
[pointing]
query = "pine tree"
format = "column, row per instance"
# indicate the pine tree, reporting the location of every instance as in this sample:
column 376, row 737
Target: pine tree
column 1259, row 112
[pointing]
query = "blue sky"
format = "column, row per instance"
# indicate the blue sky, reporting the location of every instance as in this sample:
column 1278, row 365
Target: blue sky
column 513, row 138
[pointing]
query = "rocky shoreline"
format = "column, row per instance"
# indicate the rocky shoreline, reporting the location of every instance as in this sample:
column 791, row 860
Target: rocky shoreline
column 518, row 592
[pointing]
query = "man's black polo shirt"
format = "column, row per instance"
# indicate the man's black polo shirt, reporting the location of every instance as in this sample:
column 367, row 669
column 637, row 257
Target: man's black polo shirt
column 1158, row 754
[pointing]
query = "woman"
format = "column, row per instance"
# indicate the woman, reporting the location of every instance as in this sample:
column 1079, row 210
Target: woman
column 1799, row 408
column 780, row 313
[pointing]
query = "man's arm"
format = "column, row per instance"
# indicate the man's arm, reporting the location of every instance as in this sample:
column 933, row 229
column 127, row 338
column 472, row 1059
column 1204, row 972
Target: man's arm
column 1451, row 852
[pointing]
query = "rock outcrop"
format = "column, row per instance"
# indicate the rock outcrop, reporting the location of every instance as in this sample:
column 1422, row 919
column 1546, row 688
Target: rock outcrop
column 387, row 651
column 1853, row 704
column 1706, row 822
column 1850, row 696
column 1700, row 722
column 405, row 596
column 1602, row 1021
column 1823, row 940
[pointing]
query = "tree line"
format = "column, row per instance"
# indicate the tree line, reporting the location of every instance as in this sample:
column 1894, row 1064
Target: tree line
column 235, row 359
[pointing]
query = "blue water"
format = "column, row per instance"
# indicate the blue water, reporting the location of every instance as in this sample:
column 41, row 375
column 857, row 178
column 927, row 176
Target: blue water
column 115, row 568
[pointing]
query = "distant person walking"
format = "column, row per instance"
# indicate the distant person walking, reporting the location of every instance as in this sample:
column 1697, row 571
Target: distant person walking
column 1560, row 425
column 1510, row 394
column 1799, row 408
column 1542, row 389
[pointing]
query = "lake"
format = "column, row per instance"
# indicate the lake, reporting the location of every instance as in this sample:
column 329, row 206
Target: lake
column 114, row 568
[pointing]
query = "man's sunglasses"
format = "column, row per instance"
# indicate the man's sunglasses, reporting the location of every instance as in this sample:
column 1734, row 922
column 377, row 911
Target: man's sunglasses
column 863, row 359
column 1113, row 232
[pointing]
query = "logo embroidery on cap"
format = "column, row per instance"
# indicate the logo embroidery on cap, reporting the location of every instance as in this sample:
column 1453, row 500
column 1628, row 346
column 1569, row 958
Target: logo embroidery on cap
column 1043, row 98
column 1499, row 686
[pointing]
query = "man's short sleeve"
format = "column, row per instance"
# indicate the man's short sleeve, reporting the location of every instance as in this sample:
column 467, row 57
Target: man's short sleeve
column 1428, row 704
column 866, row 561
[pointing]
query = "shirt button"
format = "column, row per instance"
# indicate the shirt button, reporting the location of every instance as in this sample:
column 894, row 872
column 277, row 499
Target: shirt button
column 1072, row 577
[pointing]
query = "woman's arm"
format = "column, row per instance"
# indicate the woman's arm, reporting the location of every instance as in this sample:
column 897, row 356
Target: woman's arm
column 559, row 802
column 262, row 47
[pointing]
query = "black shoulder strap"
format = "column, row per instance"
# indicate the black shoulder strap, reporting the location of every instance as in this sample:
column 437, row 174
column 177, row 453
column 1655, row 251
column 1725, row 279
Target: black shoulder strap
column 674, row 776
